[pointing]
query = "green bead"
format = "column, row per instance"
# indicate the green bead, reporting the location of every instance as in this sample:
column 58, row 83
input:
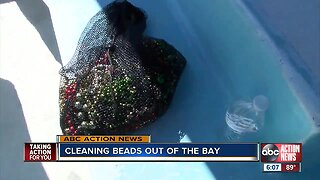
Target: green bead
column 160, row 79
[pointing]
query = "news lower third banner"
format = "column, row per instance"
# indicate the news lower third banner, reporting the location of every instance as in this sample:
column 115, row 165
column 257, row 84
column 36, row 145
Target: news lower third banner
column 157, row 152
column 136, row 148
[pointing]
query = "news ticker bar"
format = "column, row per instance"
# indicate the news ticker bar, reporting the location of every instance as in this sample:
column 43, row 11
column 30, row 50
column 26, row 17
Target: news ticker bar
column 140, row 152
column 282, row 167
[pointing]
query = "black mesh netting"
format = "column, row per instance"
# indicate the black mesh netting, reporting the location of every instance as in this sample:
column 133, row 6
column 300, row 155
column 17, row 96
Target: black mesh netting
column 118, row 79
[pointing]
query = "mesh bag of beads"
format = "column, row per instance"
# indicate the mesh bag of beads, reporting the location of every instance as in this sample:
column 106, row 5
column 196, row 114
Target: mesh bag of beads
column 118, row 80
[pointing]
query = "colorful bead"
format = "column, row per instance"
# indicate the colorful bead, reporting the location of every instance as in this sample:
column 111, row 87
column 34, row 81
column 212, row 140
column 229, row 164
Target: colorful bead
column 77, row 105
column 85, row 107
column 111, row 98
column 80, row 115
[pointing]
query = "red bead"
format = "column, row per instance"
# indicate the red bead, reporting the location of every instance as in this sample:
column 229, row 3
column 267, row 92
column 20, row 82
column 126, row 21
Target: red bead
column 69, row 121
column 71, row 128
column 109, row 68
column 106, row 61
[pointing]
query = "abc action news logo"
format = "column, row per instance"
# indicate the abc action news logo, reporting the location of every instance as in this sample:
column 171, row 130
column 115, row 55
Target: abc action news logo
column 281, row 152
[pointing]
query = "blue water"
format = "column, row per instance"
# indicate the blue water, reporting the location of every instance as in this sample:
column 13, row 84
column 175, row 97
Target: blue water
column 227, row 61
